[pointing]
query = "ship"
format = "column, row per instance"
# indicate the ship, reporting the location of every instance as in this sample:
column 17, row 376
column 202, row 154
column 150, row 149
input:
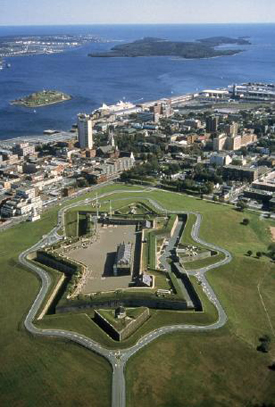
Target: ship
column 115, row 108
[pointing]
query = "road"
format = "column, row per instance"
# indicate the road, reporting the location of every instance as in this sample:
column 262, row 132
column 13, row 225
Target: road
column 118, row 359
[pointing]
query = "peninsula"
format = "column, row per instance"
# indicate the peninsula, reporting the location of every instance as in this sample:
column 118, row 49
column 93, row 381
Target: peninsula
column 44, row 98
column 203, row 48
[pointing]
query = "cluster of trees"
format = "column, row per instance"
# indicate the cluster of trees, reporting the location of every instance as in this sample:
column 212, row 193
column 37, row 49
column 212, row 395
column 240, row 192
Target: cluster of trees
column 139, row 144
column 258, row 254
column 270, row 251
column 148, row 169
column 201, row 174
column 190, row 185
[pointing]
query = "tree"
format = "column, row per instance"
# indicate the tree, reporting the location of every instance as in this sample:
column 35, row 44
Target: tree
column 264, row 344
column 263, row 347
column 246, row 221
column 271, row 248
column 241, row 205
column 259, row 254
column 265, row 338
column 249, row 253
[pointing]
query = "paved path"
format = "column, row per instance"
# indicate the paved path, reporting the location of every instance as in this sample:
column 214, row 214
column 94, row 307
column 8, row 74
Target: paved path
column 118, row 359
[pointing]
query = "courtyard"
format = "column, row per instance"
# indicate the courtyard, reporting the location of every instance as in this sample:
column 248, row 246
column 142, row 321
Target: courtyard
column 100, row 257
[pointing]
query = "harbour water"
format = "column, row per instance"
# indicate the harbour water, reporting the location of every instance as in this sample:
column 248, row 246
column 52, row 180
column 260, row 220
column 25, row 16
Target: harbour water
column 93, row 81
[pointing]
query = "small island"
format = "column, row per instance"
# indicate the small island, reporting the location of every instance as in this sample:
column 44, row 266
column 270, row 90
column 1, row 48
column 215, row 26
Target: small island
column 203, row 48
column 44, row 98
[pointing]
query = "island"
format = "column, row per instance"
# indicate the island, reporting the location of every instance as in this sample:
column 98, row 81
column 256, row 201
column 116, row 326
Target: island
column 203, row 48
column 44, row 98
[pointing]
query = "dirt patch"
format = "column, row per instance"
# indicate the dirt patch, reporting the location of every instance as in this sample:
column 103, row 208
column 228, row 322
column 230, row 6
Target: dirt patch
column 272, row 230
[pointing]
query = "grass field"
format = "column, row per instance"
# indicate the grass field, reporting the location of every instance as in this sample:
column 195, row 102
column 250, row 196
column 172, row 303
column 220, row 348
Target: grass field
column 197, row 264
column 186, row 238
column 71, row 224
column 223, row 368
column 219, row 368
column 151, row 246
column 35, row 371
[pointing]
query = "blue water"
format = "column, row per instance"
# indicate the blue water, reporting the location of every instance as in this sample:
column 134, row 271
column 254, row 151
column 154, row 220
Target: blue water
column 92, row 81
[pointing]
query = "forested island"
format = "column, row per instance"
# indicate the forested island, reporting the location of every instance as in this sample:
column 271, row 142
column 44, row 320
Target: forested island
column 44, row 98
column 203, row 48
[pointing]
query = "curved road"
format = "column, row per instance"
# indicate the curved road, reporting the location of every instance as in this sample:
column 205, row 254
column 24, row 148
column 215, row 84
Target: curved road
column 118, row 359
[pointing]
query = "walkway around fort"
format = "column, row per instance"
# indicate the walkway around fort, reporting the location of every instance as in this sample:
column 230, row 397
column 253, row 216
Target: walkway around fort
column 118, row 359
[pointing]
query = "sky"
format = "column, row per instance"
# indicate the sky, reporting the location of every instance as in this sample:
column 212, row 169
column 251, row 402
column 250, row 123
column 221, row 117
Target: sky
column 50, row 12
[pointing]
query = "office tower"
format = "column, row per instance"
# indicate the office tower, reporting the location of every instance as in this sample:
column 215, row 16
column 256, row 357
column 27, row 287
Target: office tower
column 85, row 131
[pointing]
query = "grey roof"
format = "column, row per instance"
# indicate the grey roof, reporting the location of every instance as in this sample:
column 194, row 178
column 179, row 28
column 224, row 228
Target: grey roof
column 124, row 254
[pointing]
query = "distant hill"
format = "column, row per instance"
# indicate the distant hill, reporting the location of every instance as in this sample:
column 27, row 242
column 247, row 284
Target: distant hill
column 203, row 48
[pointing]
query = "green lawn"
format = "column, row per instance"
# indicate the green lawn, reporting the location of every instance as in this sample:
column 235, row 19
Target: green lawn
column 71, row 224
column 186, row 238
column 219, row 368
column 151, row 248
column 197, row 264
column 84, row 324
column 162, row 280
column 37, row 371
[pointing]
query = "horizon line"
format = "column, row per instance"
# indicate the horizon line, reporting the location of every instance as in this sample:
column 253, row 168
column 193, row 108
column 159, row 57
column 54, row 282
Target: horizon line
column 131, row 24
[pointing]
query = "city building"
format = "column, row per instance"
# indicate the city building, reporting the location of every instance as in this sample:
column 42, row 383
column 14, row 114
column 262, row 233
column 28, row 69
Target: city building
column 254, row 91
column 233, row 142
column 212, row 123
column 219, row 143
column 266, row 183
column 214, row 94
column 85, row 131
column 231, row 129
column 238, row 173
column 23, row 149
column 220, row 160
column 25, row 202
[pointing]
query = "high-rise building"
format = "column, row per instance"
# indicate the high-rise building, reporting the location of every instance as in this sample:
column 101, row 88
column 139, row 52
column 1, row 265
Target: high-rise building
column 232, row 129
column 219, row 142
column 233, row 143
column 85, row 131
column 212, row 124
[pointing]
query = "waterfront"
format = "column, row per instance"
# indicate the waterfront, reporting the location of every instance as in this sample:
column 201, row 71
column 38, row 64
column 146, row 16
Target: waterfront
column 94, row 81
